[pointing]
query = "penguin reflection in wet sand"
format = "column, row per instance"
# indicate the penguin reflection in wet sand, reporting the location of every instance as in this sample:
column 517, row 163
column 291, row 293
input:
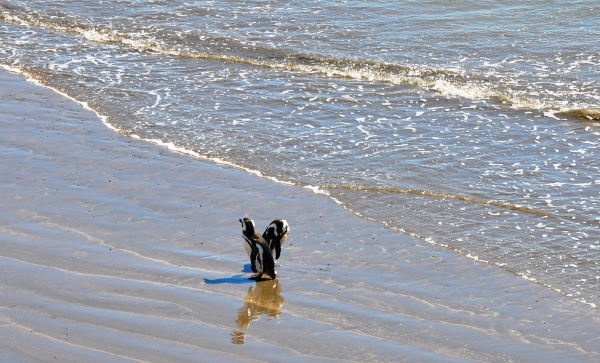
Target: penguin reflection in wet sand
column 275, row 235
column 257, row 248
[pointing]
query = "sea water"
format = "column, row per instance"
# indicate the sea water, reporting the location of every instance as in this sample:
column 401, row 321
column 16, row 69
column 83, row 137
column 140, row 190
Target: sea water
column 473, row 125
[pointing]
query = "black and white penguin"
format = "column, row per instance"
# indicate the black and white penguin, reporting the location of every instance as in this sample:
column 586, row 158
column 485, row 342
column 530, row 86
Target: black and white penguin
column 248, row 233
column 275, row 235
column 260, row 254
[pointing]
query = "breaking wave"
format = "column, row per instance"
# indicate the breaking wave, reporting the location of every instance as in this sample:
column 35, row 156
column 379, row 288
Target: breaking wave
column 428, row 193
column 449, row 83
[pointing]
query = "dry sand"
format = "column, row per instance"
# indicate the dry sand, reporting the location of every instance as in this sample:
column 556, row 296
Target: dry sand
column 116, row 250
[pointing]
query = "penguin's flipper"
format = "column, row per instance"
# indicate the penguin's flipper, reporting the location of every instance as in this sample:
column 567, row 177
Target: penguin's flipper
column 277, row 244
column 253, row 255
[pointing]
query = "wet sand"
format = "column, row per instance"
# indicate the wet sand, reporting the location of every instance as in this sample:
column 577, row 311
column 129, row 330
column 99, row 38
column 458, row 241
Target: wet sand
column 117, row 250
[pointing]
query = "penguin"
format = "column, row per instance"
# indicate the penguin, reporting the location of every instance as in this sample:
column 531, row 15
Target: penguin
column 275, row 235
column 248, row 224
column 261, row 258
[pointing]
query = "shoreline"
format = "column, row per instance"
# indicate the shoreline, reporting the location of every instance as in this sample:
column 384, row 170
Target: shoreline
column 115, row 249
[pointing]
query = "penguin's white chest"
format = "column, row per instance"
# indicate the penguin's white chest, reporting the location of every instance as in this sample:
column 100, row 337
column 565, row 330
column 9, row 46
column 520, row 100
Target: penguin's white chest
column 247, row 246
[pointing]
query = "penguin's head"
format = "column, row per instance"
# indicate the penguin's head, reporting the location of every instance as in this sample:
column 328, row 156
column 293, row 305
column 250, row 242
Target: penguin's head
column 278, row 228
column 285, row 227
column 247, row 225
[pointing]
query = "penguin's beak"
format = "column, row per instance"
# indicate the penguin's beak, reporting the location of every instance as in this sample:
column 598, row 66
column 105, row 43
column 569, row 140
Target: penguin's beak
column 242, row 222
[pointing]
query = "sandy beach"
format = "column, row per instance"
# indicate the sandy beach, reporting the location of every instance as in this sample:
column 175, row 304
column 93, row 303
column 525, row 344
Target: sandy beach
column 117, row 250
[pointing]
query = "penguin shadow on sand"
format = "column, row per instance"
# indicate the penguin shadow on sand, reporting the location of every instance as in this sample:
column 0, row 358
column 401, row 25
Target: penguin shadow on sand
column 235, row 279
column 263, row 299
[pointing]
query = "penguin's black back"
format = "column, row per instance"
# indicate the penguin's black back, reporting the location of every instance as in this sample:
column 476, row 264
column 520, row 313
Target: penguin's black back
column 268, row 261
column 262, row 259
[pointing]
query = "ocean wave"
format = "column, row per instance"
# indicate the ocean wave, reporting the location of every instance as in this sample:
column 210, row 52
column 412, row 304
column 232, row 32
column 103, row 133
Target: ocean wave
column 583, row 113
column 433, row 194
column 450, row 83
